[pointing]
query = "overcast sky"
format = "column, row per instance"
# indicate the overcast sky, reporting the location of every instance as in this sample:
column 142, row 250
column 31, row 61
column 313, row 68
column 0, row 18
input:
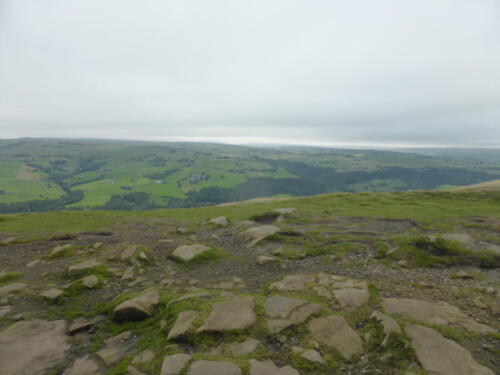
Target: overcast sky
column 327, row 72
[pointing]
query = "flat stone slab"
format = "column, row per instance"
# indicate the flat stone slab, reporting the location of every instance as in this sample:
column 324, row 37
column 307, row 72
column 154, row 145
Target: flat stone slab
column 174, row 364
column 259, row 233
column 33, row 347
column 183, row 324
column 234, row 314
column 334, row 331
column 188, row 252
column 351, row 298
column 214, row 368
column 433, row 313
column 116, row 348
column 246, row 347
column 88, row 365
column 51, row 294
column 269, row 368
column 137, row 308
column 294, row 283
column 281, row 307
column 441, row 356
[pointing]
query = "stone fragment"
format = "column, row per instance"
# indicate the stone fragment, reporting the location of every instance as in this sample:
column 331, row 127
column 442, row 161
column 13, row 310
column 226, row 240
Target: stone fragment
column 5, row 310
column 128, row 273
column 59, row 249
column 313, row 356
column 269, row 368
column 265, row 259
column 79, row 325
column 243, row 348
column 389, row 325
column 145, row 356
column 257, row 234
column 87, row 365
column 12, row 288
column 351, row 298
column 129, row 252
column 234, row 314
column 183, row 324
column 304, row 312
column 133, row 371
column 277, row 325
column 221, row 221
column 293, row 283
column 116, row 348
column 188, row 252
column 83, row 267
column 441, row 356
column 335, row 332
column 174, row 364
column 281, row 307
column 433, row 313
column 33, row 347
column 51, row 294
column 137, row 308
column 463, row 275
column 321, row 291
column 90, row 281
column 214, row 368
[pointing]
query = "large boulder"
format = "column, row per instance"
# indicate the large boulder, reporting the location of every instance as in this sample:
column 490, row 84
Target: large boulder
column 433, row 313
column 334, row 331
column 441, row 356
column 257, row 234
column 33, row 347
column 214, row 368
column 188, row 252
column 137, row 308
column 234, row 314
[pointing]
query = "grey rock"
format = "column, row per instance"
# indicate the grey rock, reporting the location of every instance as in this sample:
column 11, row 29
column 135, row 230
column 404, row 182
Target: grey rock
column 51, row 294
column 266, row 259
column 12, row 288
column 188, row 252
column 294, row 283
column 90, row 281
column 116, row 348
column 351, row 298
column 243, row 348
column 234, row 314
column 304, row 312
column 389, row 325
column 145, row 356
column 183, row 324
column 79, row 325
column 220, row 221
column 87, row 365
column 214, row 368
column 269, row 368
column 313, row 356
column 174, row 364
column 281, row 307
column 137, row 308
column 257, row 234
column 81, row 268
column 277, row 325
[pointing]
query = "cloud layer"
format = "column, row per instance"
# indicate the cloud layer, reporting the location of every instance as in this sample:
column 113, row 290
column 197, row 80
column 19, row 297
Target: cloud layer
column 389, row 72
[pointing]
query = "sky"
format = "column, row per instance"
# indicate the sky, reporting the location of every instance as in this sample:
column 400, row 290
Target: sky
column 322, row 72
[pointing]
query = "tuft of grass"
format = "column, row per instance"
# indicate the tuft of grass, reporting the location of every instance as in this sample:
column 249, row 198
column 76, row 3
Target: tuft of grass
column 8, row 277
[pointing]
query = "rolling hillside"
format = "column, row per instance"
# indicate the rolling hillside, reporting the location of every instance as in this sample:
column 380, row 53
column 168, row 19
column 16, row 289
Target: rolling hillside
column 54, row 174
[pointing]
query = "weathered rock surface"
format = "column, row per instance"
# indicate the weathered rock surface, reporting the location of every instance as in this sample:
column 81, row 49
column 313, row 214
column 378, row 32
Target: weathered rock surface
column 237, row 313
column 313, row 356
column 137, row 308
column 301, row 314
column 33, row 347
column 51, row 294
column 293, row 283
column 351, row 298
column 116, row 348
column 174, row 364
column 266, row 259
column 434, row 313
column 79, row 325
column 145, row 356
column 88, row 365
column 257, row 234
column 220, row 221
column 334, row 331
column 214, row 368
column 183, row 324
column 269, row 368
column 90, row 281
column 243, row 348
column 188, row 252
column 81, row 268
column 129, row 252
column 12, row 288
column 281, row 307
column 58, row 249
column 441, row 356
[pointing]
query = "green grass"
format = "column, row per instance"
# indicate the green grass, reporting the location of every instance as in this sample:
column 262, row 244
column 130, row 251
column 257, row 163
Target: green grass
column 8, row 277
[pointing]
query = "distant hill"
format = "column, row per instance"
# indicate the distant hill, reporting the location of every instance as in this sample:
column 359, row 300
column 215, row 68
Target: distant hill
column 486, row 186
column 55, row 174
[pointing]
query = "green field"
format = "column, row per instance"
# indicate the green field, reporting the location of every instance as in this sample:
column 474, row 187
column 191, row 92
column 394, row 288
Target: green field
column 54, row 174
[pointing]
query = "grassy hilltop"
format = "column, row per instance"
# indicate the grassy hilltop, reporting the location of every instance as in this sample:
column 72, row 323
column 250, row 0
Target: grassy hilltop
column 51, row 174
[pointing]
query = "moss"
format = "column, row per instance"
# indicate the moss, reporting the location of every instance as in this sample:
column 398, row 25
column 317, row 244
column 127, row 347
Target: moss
column 8, row 277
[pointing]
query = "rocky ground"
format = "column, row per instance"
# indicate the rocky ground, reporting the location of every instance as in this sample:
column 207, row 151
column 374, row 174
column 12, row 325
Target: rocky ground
column 279, row 293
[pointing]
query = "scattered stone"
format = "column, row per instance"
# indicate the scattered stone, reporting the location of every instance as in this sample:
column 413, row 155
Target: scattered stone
column 133, row 371
column 188, row 252
column 81, row 268
column 90, row 281
column 116, row 348
column 12, row 288
column 402, row 263
column 335, row 332
column 5, row 310
column 277, row 325
column 313, row 356
column 433, row 313
column 257, row 234
column 33, row 263
column 214, row 368
column 221, row 221
column 351, row 298
column 33, row 347
column 234, row 314
column 182, row 230
column 390, row 325
column 441, row 356
column 463, row 275
column 51, row 294
column 491, row 290
column 129, row 252
column 269, row 368
column 174, row 364
column 137, row 308
column 243, row 348
column 281, row 307
column 89, row 364
column 79, row 325
column 128, row 273
column 478, row 302
column 266, row 259
column 59, row 249
column 293, row 283
column 145, row 356
column 183, row 324
column 304, row 312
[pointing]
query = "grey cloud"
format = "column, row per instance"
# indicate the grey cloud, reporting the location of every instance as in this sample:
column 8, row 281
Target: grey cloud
column 351, row 71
